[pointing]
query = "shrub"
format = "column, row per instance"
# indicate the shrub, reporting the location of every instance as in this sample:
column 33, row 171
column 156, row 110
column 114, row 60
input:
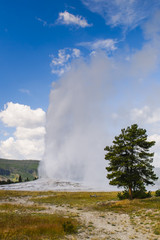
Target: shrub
column 157, row 193
column 123, row 195
column 69, row 227
column 136, row 194
column 141, row 194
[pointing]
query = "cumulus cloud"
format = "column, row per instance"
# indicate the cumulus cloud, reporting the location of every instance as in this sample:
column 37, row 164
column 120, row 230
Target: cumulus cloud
column 18, row 115
column 27, row 142
column 126, row 13
column 67, row 18
column 22, row 148
column 105, row 44
column 29, row 133
column 146, row 114
column 61, row 64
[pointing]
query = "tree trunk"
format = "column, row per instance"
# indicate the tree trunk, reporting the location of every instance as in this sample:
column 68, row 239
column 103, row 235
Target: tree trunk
column 130, row 193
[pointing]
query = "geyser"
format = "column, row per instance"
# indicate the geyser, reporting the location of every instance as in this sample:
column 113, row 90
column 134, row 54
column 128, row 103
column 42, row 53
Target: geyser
column 76, row 124
column 88, row 107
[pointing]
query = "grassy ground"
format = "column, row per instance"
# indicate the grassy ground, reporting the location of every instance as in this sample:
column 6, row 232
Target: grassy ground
column 26, row 215
column 20, row 225
column 76, row 199
column 147, row 209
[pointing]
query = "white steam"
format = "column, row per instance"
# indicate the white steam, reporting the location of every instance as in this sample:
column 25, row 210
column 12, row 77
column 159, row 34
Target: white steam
column 91, row 103
column 76, row 125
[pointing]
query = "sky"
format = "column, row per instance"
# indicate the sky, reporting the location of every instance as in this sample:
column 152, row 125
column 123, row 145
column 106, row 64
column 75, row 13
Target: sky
column 41, row 41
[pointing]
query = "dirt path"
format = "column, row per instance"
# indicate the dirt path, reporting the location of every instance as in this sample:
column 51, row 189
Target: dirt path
column 108, row 225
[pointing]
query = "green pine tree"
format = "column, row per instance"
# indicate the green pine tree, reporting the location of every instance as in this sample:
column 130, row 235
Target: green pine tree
column 130, row 160
column 20, row 178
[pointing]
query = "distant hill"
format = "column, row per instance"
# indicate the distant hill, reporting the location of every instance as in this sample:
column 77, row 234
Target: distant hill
column 12, row 169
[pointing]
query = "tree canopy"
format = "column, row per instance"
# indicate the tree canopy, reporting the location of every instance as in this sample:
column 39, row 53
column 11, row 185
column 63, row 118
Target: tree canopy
column 130, row 160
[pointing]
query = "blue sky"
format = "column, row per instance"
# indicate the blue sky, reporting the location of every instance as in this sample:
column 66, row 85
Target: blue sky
column 39, row 41
column 26, row 45
column 29, row 35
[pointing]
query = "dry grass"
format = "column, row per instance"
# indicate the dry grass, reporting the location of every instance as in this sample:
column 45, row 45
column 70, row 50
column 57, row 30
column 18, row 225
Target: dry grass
column 9, row 194
column 147, row 210
column 76, row 199
column 20, row 208
column 127, row 206
column 39, row 226
column 21, row 221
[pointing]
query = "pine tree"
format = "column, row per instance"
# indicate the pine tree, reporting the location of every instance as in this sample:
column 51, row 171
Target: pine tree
column 20, row 178
column 130, row 160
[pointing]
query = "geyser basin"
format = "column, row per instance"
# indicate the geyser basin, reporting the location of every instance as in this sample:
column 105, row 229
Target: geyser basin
column 46, row 184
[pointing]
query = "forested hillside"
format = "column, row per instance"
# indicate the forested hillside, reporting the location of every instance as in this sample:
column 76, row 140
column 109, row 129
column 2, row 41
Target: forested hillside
column 13, row 169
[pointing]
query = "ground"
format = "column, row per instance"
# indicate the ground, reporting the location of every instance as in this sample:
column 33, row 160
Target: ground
column 84, row 215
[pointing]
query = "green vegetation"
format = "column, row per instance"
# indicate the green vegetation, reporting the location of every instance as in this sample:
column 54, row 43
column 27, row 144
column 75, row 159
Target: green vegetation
column 129, row 207
column 135, row 194
column 157, row 193
column 21, row 221
column 20, row 208
column 130, row 161
column 9, row 194
column 13, row 169
column 34, row 215
column 35, row 226
column 75, row 199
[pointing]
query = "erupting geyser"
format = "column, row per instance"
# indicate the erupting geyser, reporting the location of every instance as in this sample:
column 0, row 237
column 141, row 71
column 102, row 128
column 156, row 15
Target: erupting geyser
column 76, row 124
column 88, row 106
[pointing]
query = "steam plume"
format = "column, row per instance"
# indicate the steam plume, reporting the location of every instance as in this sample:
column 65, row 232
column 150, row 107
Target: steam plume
column 76, row 125
column 88, row 107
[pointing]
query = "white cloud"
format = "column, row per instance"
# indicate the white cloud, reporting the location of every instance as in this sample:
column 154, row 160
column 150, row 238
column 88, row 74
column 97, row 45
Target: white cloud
column 18, row 115
column 44, row 23
column 76, row 52
column 61, row 63
column 156, row 138
column 126, row 13
column 146, row 114
column 105, row 44
column 67, row 18
column 22, row 90
column 27, row 142
column 22, row 148
column 29, row 133
column 62, row 58
column 140, row 114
